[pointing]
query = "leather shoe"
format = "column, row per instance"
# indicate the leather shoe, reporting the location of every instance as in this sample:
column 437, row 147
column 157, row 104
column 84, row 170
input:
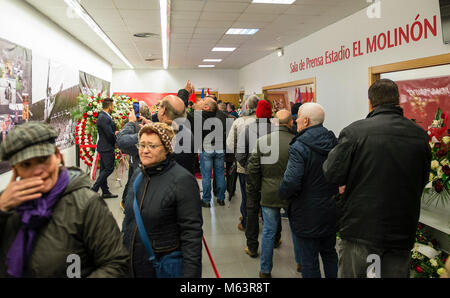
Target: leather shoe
column 299, row 268
column 277, row 244
column 206, row 205
column 109, row 196
column 220, row 202
column 241, row 227
column 250, row 253
column 265, row 275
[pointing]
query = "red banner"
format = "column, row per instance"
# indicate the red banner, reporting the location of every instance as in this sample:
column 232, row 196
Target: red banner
column 421, row 98
column 149, row 98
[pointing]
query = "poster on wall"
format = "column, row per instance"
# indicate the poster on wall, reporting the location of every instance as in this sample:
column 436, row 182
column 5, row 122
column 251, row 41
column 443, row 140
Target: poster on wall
column 55, row 99
column 15, row 88
column 421, row 98
column 150, row 98
column 91, row 85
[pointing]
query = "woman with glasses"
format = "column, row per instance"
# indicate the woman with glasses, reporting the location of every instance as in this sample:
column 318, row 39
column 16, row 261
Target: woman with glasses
column 168, row 201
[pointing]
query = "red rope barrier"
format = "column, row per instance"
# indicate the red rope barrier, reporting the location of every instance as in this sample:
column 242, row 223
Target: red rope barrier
column 210, row 258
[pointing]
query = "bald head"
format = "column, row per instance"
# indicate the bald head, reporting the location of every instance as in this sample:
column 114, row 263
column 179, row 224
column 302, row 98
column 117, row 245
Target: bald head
column 284, row 117
column 310, row 114
column 173, row 108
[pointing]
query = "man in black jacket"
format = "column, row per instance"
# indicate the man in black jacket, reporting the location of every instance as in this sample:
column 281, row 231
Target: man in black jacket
column 105, row 147
column 210, row 128
column 384, row 162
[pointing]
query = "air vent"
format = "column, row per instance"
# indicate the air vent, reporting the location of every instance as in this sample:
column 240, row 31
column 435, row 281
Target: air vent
column 145, row 35
column 152, row 59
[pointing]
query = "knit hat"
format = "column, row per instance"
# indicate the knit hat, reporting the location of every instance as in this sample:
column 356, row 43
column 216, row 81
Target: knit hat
column 164, row 131
column 264, row 109
column 27, row 141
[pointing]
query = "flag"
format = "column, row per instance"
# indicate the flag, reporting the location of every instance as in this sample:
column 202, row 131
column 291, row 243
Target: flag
column 296, row 95
column 203, row 93
column 307, row 95
column 299, row 99
column 311, row 94
column 192, row 97
column 207, row 92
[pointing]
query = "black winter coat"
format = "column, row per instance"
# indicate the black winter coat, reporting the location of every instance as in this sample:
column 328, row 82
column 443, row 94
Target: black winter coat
column 384, row 161
column 312, row 208
column 169, row 199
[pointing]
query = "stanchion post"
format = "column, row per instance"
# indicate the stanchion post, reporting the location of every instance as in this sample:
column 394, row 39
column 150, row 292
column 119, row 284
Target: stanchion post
column 77, row 155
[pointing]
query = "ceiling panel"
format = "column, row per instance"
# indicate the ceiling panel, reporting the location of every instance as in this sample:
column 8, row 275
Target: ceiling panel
column 196, row 27
column 134, row 4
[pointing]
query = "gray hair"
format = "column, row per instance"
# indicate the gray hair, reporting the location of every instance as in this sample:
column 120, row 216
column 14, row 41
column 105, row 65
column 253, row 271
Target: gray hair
column 313, row 111
column 252, row 102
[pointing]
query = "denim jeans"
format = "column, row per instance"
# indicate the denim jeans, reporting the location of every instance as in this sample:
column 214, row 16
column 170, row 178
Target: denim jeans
column 271, row 218
column 353, row 261
column 244, row 200
column 208, row 162
column 310, row 248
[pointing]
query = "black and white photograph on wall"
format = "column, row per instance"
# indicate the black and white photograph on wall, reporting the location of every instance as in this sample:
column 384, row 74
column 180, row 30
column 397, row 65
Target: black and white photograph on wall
column 91, row 85
column 56, row 98
column 15, row 87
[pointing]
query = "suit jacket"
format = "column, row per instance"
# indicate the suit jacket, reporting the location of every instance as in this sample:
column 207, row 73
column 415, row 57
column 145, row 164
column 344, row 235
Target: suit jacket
column 106, row 136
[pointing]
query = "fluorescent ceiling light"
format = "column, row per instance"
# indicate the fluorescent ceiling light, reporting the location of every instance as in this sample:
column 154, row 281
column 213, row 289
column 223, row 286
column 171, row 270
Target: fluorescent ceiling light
column 164, row 6
column 206, row 66
column 274, row 1
column 212, row 60
column 223, row 49
column 242, row 31
column 79, row 10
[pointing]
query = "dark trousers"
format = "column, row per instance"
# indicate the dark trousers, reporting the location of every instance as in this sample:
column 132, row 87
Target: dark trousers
column 310, row 248
column 252, row 228
column 231, row 177
column 353, row 261
column 130, row 174
column 244, row 200
column 106, row 169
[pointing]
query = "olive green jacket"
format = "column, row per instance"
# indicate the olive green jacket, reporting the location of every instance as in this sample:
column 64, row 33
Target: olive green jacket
column 264, row 178
column 81, row 224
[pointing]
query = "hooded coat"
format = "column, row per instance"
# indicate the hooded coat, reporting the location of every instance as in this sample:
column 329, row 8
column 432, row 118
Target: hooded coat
column 312, row 208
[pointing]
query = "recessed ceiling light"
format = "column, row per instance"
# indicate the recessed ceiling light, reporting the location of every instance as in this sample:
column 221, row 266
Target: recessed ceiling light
column 212, row 60
column 164, row 6
column 242, row 31
column 81, row 12
column 223, row 49
column 274, row 1
column 206, row 66
column 145, row 34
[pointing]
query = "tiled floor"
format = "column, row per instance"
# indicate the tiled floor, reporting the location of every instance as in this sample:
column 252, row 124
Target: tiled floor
column 226, row 243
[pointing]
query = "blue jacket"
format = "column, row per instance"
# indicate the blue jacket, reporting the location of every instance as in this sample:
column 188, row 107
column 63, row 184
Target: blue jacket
column 312, row 209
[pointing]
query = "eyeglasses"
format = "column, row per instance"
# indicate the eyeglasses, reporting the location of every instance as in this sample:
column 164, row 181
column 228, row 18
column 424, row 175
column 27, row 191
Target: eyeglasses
column 149, row 146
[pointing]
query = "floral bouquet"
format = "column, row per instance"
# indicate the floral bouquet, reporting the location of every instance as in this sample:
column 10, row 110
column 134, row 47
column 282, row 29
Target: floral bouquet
column 155, row 108
column 86, row 117
column 426, row 260
column 437, row 190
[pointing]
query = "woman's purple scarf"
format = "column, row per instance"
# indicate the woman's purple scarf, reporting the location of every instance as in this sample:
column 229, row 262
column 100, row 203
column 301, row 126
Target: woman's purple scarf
column 33, row 214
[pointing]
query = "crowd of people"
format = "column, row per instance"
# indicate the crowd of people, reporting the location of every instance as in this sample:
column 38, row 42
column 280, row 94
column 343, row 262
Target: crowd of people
column 366, row 185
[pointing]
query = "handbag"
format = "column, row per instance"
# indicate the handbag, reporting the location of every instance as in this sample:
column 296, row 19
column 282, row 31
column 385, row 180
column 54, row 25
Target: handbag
column 168, row 266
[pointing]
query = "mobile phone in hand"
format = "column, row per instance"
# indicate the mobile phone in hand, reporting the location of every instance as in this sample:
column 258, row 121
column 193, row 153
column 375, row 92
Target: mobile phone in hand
column 136, row 109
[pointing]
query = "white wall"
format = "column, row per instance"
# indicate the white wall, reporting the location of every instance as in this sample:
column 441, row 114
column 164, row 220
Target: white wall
column 342, row 86
column 162, row 81
column 20, row 23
